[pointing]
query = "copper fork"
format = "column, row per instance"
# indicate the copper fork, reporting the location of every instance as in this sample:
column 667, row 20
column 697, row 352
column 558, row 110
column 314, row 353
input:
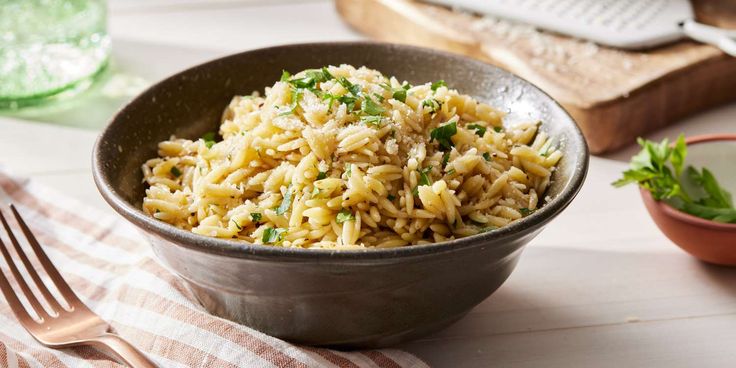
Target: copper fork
column 59, row 327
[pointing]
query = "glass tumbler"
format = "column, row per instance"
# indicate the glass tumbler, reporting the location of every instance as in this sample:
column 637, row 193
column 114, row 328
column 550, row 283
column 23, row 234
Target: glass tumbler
column 50, row 48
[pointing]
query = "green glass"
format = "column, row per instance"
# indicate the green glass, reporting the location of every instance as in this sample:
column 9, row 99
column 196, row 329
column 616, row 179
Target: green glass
column 50, row 48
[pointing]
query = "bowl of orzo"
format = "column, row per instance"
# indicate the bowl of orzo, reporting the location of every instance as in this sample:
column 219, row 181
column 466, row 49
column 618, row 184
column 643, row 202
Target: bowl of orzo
column 342, row 194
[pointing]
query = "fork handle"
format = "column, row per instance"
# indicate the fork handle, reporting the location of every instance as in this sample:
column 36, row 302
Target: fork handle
column 123, row 350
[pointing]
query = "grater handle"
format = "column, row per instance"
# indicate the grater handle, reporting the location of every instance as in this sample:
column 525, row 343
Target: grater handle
column 722, row 38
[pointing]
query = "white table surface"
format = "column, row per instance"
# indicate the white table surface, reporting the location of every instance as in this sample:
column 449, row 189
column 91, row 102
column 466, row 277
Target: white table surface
column 601, row 287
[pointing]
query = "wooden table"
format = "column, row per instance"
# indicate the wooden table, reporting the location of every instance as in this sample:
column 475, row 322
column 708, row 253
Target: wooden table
column 601, row 287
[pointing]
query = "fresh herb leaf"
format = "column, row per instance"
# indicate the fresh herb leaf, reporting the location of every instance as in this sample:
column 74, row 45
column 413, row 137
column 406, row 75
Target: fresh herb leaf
column 370, row 107
column 525, row 211
column 399, row 95
column 236, row 224
column 349, row 101
column 354, row 89
column 452, row 171
column 432, row 105
column 438, row 84
column 296, row 95
column 487, row 156
column 344, row 215
column 321, row 175
column 498, row 129
column 175, row 171
column 660, row 169
column 371, row 120
column 391, row 197
column 442, row 135
column 209, row 139
column 424, row 178
column 285, row 76
column 379, row 97
column 479, row 129
column 445, row 159
column 255, row 216
column 273, row 235
column 286, row 203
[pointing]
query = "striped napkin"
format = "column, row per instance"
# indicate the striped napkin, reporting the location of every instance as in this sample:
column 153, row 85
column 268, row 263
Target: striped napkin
column 112, row 269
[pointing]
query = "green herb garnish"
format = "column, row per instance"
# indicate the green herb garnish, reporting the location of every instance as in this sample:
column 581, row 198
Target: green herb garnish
column 321, row 175
column 443, row 134
column 344, row 215
column 370, row 107
column 438, row 84
column 286, row 203
column 445, row 159
column 391, row 197
column 273, row 235
column 525, row 211
column 175, row 171
column 255, row 216
column 659, row 168
column 349, row 101
column 498, row 129
column 285, row 76
column 236, row 224
column 209, row 139
column 348, row 170
column 371, row 120
column 354, row 89
column 479, row 129
column 424, row 176
column 432, row 104
column 487, row 156
column 296, row 95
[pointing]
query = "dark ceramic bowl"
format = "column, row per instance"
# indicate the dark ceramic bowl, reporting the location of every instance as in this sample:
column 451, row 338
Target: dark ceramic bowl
column 320, row 297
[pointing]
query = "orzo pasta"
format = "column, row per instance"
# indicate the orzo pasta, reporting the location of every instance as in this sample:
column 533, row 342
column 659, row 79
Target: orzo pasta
column 341, row 157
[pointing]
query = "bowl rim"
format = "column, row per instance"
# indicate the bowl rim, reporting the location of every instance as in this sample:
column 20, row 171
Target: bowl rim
column 686, row 217
column 239, row 249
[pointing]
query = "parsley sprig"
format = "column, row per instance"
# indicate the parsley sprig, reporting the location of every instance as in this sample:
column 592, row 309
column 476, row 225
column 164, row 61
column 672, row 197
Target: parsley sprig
column 660, row 169
column 443, row 134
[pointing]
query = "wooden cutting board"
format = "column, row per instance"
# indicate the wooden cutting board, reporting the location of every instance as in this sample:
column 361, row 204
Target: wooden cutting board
column 614, row 95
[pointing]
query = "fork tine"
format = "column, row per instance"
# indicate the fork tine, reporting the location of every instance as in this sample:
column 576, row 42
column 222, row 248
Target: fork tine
column 53, row 303
column 15, row 305
column 35, row 304
column 51, row 270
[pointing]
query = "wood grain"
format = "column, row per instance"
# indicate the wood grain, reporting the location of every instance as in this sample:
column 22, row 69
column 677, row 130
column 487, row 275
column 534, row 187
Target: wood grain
column 614, row 95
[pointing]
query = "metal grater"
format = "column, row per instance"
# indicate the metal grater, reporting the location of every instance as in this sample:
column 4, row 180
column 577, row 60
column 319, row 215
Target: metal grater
column 627, row 24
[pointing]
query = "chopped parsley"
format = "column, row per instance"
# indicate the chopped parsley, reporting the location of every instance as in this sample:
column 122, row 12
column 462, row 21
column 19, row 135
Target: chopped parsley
column 255, row 216
column 209, row 139
column 321, row 175
column 432, row 105
column 498, row 129
column 479, row 129
column 348, row 170
column 445, row 158
column 285, row 75
column 424, row 176
column 344, row 215
column 371, row 120
column 175, row 171
column 236, row 224
column 370, row 107
column 296, row 95
column 398, row 94
column 354, row 89
column 349, row 101
column 525, row 211
column 487, row 156
column 438, row 84
column 286, row 203
column 273, row 235
column 391, row 197
column 442, row 135
column 452, row 171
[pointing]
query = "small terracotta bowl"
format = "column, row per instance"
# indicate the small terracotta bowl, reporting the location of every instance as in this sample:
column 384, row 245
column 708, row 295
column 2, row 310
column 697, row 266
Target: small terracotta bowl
column 706, row 240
